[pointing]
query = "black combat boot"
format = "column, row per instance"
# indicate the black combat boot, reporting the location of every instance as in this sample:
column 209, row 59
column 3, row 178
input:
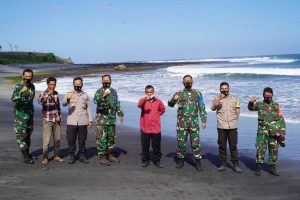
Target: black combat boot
column 273, row 170
column 198, row 165
column 83, row 159
column 72, row 159
column 31, row 156
column 157, row 164
column 179, row 163
column 258, row 169
column 26, row 158
column 145, row 163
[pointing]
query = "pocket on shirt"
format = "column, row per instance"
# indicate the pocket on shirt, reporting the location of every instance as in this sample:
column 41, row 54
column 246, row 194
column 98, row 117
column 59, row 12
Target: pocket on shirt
column 84, row 103
column 221, row 110
column 233, row 107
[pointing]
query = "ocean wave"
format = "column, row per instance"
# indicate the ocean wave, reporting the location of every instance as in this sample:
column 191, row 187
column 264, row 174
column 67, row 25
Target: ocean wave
column 248, row 60
column 196, row 70
column 254, row 60
column 287, row 119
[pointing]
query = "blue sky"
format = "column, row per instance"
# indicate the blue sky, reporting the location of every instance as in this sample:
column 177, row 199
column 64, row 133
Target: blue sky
column 93, row 31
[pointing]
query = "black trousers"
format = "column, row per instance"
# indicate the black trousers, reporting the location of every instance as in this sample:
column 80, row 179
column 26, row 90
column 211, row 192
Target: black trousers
column 154, row 139
column 73, row 132
column 232, row 137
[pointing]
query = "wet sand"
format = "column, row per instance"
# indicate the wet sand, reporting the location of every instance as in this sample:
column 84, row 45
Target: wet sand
column 127, row 179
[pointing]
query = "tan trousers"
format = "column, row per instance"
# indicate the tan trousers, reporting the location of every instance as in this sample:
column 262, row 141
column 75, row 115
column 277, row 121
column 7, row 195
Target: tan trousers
column 51, row 129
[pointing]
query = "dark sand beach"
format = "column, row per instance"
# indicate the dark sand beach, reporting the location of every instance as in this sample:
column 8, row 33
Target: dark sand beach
column 127, row 179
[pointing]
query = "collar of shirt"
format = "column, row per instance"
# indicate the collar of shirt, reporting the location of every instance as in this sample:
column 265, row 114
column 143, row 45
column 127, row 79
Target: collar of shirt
column 54, row 92
column 103, row 89
column 78, row 94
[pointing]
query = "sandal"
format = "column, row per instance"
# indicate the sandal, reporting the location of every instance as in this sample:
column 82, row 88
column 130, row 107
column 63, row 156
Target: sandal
column 59, row 159
column 45, row 161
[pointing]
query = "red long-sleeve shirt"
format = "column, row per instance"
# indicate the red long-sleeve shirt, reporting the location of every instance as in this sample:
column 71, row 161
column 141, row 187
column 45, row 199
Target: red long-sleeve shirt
column 151, row 110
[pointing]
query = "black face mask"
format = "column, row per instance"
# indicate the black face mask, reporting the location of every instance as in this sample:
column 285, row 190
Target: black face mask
column 77, row 88
column 267, row 100
column 27, row 81
column 106, row 85
column 188, row 85
column 226, row 93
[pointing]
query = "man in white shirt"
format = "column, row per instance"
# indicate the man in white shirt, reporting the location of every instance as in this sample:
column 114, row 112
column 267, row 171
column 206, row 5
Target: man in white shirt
column 228, row 110
column 79, row 118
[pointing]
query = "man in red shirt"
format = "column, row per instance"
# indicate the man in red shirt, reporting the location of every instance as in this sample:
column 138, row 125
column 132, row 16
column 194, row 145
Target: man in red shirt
column 151, row 110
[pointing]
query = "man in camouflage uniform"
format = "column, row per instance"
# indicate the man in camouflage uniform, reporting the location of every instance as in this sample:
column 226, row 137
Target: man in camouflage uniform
column 189, row 102
column 270, row 132
column 108, row 105
column 23, row 96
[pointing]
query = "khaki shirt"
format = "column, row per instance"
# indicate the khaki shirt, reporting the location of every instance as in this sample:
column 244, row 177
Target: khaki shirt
column 228, row 111
column 79, row 112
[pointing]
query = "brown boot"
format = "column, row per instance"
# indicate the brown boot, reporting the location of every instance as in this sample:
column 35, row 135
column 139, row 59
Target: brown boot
column 112, row 158
column 104, row 161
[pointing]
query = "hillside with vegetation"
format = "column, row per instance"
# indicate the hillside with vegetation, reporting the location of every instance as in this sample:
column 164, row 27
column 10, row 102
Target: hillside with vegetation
column 31, row 58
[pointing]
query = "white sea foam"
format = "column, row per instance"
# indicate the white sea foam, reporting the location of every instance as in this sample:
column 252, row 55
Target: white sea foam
column 253, row 60
column 287, row 119
column 248, row 60
column 199, row 70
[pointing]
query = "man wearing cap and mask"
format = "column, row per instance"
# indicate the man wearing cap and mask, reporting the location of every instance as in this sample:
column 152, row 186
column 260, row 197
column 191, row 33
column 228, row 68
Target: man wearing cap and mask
column 79, row 119
column 108, row 106
column 190, row 105
column 22, row 97
column 228, row 110
column 270, row 132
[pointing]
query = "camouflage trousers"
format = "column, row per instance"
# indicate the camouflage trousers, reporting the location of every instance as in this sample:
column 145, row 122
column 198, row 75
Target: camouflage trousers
column 264, row 141
column 23, row 127
column 187, row 127
column 105, row 139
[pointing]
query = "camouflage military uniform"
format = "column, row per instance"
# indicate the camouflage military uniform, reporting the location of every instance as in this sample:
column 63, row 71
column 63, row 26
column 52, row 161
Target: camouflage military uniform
column 270, row 132
column 23, row 115
column 190, row 102
column 107, row 108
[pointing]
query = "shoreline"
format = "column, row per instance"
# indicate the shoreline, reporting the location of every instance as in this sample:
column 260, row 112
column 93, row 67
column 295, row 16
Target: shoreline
column 42, row 71
column 10, row 75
